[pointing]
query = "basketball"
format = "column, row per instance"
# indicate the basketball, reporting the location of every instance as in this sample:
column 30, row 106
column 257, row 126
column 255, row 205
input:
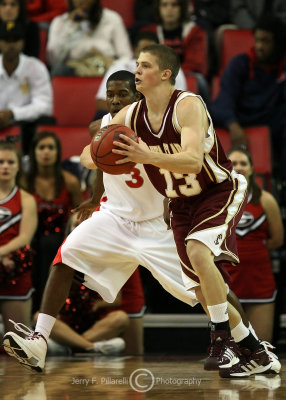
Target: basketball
column 102, row 145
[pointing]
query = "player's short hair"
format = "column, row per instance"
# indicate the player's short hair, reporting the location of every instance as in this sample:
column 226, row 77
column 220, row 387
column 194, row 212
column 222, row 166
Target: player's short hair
column 167, row 58
column 123, row 75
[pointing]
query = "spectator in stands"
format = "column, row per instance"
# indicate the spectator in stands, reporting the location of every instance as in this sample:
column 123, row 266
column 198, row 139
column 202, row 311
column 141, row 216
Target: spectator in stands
column 212, row 16
column 246, row 13
column 18, row 224
column 45, row 10
column 175, row 29
column 26, row 92
column 143, row 14
column 15, row 11
column 86, row 40
column 142, row 39
column 253, row 89
column 259, row 231
column 56, row 192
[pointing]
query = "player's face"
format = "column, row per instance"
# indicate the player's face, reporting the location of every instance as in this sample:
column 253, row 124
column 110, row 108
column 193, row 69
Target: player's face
column 148, row 73
column 118, row 95
column 46, row 152
column 264, row 45
column 9, row 165
column 9, row 10
column 170, row 11
column 241, row 163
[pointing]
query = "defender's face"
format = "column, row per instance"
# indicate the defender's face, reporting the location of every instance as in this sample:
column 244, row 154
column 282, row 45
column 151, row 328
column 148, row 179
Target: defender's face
column 241, row 164
column 148, row 73
column 118, row 95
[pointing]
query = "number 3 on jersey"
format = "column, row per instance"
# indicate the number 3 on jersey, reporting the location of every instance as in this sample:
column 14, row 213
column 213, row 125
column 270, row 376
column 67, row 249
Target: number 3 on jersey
column 136, row 179
column 191, row 187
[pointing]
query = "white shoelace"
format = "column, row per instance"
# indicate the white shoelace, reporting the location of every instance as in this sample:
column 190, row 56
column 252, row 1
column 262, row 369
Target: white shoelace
column 267, row 346
column 22, row 328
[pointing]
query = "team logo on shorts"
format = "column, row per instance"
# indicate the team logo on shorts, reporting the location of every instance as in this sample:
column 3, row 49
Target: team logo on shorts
column 219, row 237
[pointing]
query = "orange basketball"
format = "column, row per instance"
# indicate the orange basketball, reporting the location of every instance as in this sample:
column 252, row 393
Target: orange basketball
column 102, row 145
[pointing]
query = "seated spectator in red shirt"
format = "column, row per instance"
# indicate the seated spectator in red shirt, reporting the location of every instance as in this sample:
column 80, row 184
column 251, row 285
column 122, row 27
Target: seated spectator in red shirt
column 45, row 10
column 175, row 29
column 15, row 11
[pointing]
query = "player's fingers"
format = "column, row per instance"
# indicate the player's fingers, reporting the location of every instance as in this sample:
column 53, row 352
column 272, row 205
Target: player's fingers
column 120, row 144
column 126, row 138
column 123, row 160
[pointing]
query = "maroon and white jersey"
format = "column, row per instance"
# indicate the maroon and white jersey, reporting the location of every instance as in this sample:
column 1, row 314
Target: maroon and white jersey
column 216, row 167
column 10, row 216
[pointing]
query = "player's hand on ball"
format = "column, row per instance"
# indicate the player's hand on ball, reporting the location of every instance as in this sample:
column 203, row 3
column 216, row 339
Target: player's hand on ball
column 135, row 152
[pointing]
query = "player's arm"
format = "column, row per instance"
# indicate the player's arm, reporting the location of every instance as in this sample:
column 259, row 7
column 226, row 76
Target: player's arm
column 85, row 157
column 274, row 219
column 94, row 126
column 194, row 122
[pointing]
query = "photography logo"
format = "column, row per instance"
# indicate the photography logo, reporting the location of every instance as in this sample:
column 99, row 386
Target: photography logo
column 141, row 380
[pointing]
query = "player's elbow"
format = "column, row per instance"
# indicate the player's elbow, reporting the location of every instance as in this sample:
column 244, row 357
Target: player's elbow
column 197, row 167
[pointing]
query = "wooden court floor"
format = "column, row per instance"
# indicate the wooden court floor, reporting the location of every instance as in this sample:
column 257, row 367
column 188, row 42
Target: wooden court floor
column 138, row 378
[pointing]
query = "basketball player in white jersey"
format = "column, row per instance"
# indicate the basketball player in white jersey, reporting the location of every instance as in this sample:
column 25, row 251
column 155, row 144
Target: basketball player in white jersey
column 127, row 231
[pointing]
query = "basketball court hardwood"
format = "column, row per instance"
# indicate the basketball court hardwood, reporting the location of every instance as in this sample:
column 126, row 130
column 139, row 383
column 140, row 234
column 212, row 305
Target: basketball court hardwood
column 138, row 378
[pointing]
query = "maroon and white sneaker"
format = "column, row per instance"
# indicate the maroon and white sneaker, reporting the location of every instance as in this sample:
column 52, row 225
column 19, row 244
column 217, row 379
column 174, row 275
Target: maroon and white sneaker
column 250, row 363
column 275, row 363
column 29, row 351
column 219, row 341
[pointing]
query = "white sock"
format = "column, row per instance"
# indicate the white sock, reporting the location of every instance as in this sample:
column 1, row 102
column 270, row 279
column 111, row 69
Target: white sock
column 218, row 312
column 250, row 327
column 45, row 324
column 239, row 332
column 97, row 345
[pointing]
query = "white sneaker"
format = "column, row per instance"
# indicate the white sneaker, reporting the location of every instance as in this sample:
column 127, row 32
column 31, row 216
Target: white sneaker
column 275, row 363
column 109, row 347
column 29, row 351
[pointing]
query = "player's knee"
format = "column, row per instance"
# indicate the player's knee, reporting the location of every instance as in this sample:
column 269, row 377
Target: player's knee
column 199, row 295
column 199, row 255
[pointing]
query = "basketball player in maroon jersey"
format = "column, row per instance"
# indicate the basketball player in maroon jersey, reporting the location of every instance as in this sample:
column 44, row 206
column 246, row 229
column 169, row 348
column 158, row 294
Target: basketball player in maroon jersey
column 186, row 163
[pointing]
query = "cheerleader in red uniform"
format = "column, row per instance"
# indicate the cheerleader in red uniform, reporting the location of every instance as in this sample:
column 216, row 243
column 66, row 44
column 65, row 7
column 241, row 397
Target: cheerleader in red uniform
column 18, row 222
column 259, row 231
column 56, row 192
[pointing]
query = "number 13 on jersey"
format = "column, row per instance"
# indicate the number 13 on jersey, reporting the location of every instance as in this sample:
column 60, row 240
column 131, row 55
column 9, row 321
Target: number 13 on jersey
column 191, row 186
